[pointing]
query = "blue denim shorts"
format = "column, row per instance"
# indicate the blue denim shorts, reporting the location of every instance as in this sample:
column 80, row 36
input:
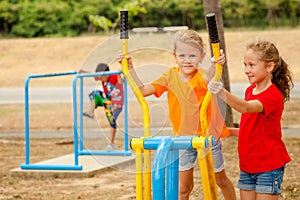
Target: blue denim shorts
column 188, row 158
column 265, row 182
column 116, row 111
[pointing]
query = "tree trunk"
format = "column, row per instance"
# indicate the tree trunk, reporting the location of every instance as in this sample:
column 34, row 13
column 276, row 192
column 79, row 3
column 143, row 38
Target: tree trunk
column 213, row 6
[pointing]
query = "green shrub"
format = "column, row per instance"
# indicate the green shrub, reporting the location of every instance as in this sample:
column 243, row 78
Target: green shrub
column 39, row 18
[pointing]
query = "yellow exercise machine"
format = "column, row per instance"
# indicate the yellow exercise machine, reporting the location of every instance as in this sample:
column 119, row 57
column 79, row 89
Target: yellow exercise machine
column 138, row 148
column 206, row 161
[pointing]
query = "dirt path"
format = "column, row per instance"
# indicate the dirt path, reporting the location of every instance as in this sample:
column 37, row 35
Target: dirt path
column 111, row 185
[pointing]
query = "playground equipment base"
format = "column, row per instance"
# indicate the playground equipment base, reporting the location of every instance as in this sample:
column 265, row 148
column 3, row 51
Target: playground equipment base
column 91, row 165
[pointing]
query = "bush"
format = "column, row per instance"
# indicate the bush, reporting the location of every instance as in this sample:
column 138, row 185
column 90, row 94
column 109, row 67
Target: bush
column 38, row 18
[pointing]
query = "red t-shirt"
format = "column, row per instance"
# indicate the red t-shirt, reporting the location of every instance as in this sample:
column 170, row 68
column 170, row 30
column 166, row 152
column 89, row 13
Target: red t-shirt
column 113, row 89
column 260, row 142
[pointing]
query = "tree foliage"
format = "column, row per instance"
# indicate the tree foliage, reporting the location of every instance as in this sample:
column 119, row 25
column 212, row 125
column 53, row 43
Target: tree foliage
column 39, row 18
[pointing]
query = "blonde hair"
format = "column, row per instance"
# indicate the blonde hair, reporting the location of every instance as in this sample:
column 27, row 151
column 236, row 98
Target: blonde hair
column 281, row 75
column 189, row 36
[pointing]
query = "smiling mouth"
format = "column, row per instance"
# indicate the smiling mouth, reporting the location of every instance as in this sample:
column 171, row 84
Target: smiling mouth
column 250, row 78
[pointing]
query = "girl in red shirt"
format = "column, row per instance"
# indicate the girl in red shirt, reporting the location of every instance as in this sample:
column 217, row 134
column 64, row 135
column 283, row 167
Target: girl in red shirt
column 262, row 153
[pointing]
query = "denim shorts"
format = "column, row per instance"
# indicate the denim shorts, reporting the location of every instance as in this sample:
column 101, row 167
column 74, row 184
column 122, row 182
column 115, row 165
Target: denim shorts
column 116, row 112
column 265, row 182
column 188, row 158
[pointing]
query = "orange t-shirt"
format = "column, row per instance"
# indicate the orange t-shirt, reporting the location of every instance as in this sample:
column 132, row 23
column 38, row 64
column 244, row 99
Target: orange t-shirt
column 185, row 100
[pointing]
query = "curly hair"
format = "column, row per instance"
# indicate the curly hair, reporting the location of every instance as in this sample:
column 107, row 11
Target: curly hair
column 281, row 75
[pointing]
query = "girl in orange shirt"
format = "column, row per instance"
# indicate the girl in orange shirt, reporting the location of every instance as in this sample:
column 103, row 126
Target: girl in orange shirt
column 186, row 88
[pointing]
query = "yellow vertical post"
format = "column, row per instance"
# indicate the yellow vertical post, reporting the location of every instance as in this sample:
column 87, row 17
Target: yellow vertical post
column 200, row 144
column 147, row 153
column 147, row 174
column 206, row 161
column 138, row 145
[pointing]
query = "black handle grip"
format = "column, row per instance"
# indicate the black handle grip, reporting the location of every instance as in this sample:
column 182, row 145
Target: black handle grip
column 212, row 28
column 123, row 24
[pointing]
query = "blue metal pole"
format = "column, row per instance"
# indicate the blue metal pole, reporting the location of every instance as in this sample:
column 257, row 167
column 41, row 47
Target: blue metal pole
column 75, row 133
column 80, row 115
column 26, row 108
column 158, row 174
column 51, row 167
column 179, row 142
column 172, row 175
column 107, row 73
column 80, row 150
column 51, row 75
column 27, row 141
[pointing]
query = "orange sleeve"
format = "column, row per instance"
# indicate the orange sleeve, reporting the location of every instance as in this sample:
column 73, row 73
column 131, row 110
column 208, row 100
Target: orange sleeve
column 160, row 89
column 161, row 84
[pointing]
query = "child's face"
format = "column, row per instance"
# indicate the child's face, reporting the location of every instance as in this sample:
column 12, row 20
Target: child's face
column 188, row 57
column 104, row 78
column 257, row 70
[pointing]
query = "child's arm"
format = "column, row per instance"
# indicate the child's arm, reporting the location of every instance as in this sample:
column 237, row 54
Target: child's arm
column 241, row 105
column 147, row 89
column 211, row 70
column 235, row 102
column 234, row 131
column 120, row 79
column 210, row 73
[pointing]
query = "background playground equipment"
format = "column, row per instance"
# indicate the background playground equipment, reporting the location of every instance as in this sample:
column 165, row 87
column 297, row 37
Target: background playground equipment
column 82, row 151
column 78, row 150
column 106, row 52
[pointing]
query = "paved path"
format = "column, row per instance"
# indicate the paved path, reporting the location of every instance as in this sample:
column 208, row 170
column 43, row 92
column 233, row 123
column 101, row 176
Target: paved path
column 64, row 94
column 102, row 133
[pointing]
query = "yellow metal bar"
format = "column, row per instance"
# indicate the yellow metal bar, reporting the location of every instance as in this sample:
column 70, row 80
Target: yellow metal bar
column 206, row 169
column 139, row 174
column 203, row 114
column 137, row 146
column 211, row 174
column 204, row 175
column 207, row 97
column 147, row 174
column 136, row 90
column 216, row 53
column 206, row 161
column 146, row 116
